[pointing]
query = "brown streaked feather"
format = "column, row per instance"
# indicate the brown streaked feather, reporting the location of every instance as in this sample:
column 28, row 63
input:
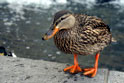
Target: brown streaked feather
column 88, row 35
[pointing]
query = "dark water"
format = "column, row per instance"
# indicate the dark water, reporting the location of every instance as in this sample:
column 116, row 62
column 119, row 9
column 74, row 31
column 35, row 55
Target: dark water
column 21, row 31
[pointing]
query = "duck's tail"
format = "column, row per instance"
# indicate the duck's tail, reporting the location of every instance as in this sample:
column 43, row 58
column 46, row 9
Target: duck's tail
column 113, row 39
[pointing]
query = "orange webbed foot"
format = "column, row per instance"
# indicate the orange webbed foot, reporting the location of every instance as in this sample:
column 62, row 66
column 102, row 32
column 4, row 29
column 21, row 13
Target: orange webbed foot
column 73, row 69
column 90, row 72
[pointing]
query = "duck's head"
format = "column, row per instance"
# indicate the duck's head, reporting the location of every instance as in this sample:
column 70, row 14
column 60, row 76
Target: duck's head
column 2, row 51
column 62, row 20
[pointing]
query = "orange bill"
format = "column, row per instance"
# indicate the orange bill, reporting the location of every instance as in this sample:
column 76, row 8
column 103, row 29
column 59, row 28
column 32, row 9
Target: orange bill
column 51, row 34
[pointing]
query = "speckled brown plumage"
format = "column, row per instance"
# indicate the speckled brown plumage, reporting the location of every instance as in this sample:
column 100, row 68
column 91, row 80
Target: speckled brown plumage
column 79, row 34
column 88, row 35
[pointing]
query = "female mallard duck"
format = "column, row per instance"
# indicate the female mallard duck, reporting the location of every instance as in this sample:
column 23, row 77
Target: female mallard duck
column 79, row 34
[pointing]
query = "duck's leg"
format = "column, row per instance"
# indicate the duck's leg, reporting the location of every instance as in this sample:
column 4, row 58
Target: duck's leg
column 92, row 71
column 74, row 68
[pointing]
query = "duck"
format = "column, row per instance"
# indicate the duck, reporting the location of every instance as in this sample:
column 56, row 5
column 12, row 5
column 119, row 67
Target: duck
column 4, row 53
column 79, row 34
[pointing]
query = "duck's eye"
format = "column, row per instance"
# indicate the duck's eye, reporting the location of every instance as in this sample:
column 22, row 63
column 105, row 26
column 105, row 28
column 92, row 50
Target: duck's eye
column 63, row 18
column 60, row 20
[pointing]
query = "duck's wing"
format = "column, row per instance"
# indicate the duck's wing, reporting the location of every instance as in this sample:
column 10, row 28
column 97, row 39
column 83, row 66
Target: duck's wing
column 95, row 31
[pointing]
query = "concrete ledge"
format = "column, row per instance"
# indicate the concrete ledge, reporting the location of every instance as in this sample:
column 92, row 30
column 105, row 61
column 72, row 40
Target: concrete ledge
column 20, row 70
column 116, row 77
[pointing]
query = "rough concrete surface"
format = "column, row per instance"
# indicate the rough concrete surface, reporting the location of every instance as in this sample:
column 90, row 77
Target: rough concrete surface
column 116, row 77
column 20, row 70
